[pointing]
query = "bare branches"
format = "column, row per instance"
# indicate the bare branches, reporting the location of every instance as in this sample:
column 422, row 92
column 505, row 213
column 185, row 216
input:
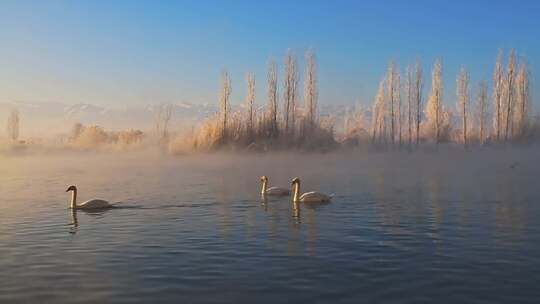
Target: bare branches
column 390, row 86
column 482, row 110
column 434, row 105
column 289, row 92
column 498, row 86
column 310, row 89
column 162, row 119
column 250, row 102
column 463, row 101
column 522, row 102
column 510, row 78
column 272, row 99
column 418, row 88
column 409, row 97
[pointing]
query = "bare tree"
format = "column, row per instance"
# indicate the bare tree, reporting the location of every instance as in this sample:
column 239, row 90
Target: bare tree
column 434, row 105
column 481, row 110
column 409, row 97
column 510, row 78
column 310, row 89
column 250, row 101
column 498, row 87
column 161, row 122
column 463, row 101
column 224, row 106
column 272, row 99
column 523, row 96
column 13, row 125
column 289, row 91
column 390, row 86
column 418, row 88
column 76, row 131
column 397, row 95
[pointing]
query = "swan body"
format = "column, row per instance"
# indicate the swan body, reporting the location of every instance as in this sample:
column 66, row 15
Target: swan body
column 314, row 197
column 92, row 204
column 308, row 197
column 272, row 191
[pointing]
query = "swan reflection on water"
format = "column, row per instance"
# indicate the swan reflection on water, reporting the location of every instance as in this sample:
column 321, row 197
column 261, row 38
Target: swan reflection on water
column 296, row 212
column 74, row 223
column 264, row 202
column 296, row 207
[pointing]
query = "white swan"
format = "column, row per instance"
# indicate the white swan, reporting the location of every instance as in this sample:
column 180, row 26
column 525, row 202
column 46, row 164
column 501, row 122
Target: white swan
column 308, row 197
column 272, row 191
column 90, row 204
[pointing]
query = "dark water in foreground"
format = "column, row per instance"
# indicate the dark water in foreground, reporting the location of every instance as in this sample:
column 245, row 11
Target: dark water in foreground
column 408, row 229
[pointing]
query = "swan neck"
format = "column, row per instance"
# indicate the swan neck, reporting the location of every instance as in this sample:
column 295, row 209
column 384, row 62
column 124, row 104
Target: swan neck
column 73, row 199
column 296, row 197
column 264, row 186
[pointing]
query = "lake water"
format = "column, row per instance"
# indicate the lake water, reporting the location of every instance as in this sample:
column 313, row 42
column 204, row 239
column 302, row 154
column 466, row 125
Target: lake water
column 460, row 227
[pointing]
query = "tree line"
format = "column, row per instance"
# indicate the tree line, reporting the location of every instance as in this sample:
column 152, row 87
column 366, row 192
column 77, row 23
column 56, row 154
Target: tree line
column 283, row 122
column 401, row 117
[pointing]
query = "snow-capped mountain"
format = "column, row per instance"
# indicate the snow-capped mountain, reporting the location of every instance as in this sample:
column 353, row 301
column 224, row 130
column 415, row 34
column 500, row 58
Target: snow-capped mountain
column 42, row 118
column 46, row 118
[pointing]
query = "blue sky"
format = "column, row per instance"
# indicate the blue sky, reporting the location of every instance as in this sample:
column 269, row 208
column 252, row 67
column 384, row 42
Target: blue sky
column 119, row 53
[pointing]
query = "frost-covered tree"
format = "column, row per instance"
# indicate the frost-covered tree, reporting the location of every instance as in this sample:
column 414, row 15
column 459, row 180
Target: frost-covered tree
column 510, row 79
column 250, row 102
column 272, row 95
column 13, row 125
column 463, row 101
column 434, row 105
column 290, row 86
column 224, row 106
column 498, row 88
column 482, row 110
column 310, row 89
column 378, row 115
column 418, row 87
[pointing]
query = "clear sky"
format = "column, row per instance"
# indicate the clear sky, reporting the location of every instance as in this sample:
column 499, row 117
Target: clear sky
column 120, row 53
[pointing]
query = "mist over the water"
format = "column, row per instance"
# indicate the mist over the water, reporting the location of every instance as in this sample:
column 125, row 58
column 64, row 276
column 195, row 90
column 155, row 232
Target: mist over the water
column 186, row 225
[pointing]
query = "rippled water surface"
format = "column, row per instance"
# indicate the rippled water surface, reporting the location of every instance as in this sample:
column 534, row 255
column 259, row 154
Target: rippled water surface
column 402, row 228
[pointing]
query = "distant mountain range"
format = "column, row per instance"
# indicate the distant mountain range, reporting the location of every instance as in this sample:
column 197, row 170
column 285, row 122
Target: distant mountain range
column 52, row 117
column 47, row 118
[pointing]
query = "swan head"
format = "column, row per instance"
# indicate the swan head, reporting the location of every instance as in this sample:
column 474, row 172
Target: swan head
column 295, row 180
column 71, row 188
column 264, row 178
